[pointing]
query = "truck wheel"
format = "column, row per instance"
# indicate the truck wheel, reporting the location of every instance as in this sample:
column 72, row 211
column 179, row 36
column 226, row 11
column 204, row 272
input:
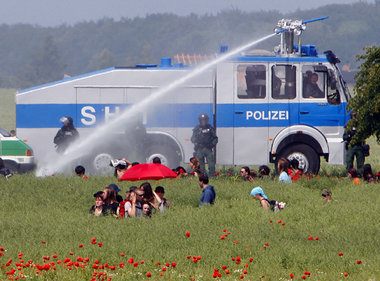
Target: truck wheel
column 167, row 155
column 101, row 164
column 308, row 159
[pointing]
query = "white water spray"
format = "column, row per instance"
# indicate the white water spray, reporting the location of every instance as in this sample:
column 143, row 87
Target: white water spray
column 84, row 145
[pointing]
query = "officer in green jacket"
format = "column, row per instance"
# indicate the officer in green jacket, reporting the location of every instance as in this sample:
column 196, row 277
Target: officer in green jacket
column 205, row 139
column 353, row 149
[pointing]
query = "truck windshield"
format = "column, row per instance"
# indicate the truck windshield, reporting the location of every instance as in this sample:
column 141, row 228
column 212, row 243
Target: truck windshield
column 343, row 83
column 4, row 133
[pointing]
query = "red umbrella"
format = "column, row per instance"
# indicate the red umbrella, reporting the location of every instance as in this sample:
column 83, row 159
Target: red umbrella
column 148, row 171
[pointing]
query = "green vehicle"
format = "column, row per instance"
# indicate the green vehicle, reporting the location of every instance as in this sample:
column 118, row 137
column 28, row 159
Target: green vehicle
column 16, row 154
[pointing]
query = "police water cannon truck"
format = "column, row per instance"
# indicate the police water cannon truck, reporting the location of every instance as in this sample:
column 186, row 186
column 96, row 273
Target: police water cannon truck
column 290, row 102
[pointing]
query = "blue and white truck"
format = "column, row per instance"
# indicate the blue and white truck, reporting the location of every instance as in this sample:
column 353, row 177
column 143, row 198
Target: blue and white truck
column 290, row 102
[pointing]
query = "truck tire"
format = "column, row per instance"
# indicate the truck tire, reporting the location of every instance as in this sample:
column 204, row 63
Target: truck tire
column 306, row 155
column 167, row 155
column 100, row 164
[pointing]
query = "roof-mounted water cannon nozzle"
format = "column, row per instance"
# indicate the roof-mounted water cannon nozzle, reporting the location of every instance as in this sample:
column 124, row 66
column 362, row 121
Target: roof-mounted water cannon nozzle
column 287, row 29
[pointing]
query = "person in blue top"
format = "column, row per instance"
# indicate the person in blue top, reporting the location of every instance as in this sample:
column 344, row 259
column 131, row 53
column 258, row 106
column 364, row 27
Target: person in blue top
column 208, row 192
column 283, row 168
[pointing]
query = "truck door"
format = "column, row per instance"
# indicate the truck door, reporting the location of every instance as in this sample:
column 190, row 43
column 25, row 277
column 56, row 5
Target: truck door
column 250, row 114
column 283, row 105
column 320, row 104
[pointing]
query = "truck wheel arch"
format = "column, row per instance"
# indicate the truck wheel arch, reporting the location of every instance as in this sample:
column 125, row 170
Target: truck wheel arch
column 299, row 134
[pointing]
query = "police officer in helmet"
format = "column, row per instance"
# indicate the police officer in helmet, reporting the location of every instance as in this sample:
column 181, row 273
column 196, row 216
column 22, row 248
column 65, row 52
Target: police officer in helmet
column 66, row 135
column 205, row 139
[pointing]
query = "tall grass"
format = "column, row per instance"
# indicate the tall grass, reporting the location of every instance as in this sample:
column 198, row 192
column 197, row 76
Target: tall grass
column 55, row 210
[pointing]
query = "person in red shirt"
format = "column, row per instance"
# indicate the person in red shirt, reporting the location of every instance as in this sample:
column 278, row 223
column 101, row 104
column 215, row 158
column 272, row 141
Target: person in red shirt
column 81, row 172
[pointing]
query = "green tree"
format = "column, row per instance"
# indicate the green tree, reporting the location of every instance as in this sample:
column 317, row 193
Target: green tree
column 46, row 64
column 366, row 101
column 102, row 60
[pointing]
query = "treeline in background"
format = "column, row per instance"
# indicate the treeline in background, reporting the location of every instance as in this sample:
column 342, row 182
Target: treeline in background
column 32, row 55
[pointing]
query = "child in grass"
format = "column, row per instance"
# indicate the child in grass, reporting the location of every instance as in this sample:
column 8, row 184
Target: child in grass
column 353, row 175
column 368, row 174
column 283, row 168
column 81, row 172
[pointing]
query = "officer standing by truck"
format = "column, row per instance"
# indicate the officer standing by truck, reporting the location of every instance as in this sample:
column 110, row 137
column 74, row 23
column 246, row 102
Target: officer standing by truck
column 66, row 135
column 353, row 149
column 205, row 139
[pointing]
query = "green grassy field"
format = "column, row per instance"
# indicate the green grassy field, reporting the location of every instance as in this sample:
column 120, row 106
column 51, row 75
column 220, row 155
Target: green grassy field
column 55, row 210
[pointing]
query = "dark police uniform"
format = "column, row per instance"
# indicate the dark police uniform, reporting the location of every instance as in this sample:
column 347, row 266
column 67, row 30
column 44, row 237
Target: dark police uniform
column 205, row 139
column 353, row 149
column 66, row 135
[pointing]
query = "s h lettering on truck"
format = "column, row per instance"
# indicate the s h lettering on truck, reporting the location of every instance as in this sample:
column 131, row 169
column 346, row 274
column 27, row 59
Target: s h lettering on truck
column 264, row 105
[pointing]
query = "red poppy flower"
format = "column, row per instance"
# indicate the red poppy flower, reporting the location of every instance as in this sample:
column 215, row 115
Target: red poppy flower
column 283, row 223
column 250, row 259
column 227, row 272
column 80, row 246
column 174, row 264
column 100, row 244
column 167, row 264
column 136, row 264
column 187, row 234
column 310, row 238
column 291, row 275
column 266, row 244
column 122, row 254
column 189, row 257
column 142, row 262
column 236, row 242
column 316, row 238
column 43, row 242
column 71, row 253
column 340, row 254
column 358, row 261
column 148, row 275
column 224, row 230
column 345, row 274
column 245, row 271
column 303, row 277
column 199, row 257
column 279, row 221
column 242, row 277
column 222, row 237
column 224, row 267
column 270, row 221
column 307, row 272
column 55, row 256
column 164, row 269
column 131, row 260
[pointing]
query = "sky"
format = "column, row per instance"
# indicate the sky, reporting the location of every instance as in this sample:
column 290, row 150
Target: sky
column 57, row 12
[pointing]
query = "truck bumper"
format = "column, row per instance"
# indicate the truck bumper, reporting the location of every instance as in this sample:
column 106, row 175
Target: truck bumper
column 26, row 167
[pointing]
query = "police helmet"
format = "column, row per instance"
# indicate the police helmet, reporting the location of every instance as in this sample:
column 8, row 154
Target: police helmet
column 203, row 116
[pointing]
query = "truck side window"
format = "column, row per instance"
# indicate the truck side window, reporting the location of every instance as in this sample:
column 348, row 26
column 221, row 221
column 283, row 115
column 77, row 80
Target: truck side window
column 251, row 81
column 333, row 95
column 283, row 82
column 313, row 83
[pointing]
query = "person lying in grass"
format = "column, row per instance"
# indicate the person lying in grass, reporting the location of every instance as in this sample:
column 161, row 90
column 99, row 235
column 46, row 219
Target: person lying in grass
column 258, row 194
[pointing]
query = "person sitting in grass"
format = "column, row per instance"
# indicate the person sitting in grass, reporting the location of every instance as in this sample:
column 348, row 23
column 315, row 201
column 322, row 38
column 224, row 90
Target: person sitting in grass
column 295, row 172
column 81, row 172
column 368, row 174
column 133, row 207
column 98, row 209
column 165, row 203
column 245, row 173
column 208, row 192
column 150, row 196
column 264, row 172
column 283, row 167
column 147, row 209
column 326, row 195
column 119, row 198
column 195, row 167
column 258, row 194
column 353, row 175
column 110, row 202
